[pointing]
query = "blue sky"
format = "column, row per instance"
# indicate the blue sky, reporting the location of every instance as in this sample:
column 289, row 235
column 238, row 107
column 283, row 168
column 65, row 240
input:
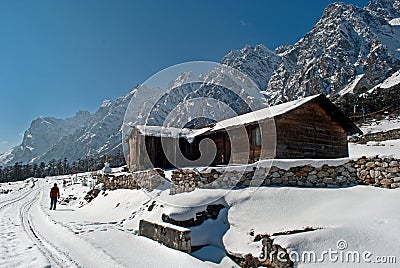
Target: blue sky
column 59, row 57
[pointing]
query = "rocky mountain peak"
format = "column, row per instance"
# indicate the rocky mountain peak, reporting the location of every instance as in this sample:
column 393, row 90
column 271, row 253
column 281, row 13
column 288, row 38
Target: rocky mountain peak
column 258, row 62
column 282, row 49
column 82, row 115
column 386, row 9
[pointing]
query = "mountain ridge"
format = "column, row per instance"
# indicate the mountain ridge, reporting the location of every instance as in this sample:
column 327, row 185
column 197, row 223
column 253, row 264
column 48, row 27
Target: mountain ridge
column 346, row 42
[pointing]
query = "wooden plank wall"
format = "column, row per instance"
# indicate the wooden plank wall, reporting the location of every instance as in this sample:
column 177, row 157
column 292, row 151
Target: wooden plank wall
column 137, row 159
column 309, row 132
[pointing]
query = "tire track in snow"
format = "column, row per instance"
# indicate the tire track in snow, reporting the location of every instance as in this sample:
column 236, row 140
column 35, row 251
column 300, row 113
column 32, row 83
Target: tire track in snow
column 57, row 240
column 56, row 257
column 27, row 238
column 6, row 203
column 16, row 248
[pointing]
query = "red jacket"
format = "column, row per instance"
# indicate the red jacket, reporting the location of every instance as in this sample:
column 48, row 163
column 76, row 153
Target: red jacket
column 54, row 192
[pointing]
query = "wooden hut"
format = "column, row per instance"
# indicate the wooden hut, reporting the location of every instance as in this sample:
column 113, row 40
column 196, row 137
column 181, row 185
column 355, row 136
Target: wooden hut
column 310, row 128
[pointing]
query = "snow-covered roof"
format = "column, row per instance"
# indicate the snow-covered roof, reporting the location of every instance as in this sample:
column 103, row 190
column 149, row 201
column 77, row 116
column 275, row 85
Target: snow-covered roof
column 261, row 114
column 241, row 120
column 171, row 132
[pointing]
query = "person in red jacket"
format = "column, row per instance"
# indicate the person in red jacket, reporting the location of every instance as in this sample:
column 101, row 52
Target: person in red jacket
column 54, row 194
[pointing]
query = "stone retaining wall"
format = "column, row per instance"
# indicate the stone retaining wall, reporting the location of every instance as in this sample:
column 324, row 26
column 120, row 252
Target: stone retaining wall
column 111, row 182
column 368, row 171
column 393, row 134
column 148, row 179
column 171, row 236
column 379, row 172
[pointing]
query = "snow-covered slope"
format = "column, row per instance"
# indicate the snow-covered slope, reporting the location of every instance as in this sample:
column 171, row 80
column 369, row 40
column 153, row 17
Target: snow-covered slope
column 391, row 81
column 258, row 62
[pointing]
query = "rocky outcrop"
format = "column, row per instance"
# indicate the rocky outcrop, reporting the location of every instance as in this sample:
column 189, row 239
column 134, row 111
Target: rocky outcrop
column 90, row 195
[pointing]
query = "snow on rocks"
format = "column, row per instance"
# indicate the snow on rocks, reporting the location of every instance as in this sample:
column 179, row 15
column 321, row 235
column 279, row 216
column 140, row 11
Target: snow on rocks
column 395, row 22
column 393, row 80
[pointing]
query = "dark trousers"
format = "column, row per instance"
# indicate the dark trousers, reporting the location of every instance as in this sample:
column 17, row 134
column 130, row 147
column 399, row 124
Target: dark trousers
column 53, row 203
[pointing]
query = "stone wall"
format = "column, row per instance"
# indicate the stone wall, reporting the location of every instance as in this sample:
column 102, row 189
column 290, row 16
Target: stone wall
column 272, row 255
column 379, row 172
column 367, row 171
column 148, row 179
column 211, row 212
column 112, row 182
column 169, row 235
column 393, row 134
column 186, row 180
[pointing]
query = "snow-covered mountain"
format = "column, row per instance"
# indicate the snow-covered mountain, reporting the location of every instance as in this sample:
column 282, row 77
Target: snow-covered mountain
column 348, row 48
column 259, row 63
column 77, row 137
column 346, row 44
column 101, row 135
column 206, row 96
column 42, row 134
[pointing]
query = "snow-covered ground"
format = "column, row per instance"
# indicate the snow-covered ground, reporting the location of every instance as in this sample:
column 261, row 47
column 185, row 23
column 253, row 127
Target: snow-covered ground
column 389, row 148
column 100, row 234
column 104, row 233
column 360, row 220
column 388, row 123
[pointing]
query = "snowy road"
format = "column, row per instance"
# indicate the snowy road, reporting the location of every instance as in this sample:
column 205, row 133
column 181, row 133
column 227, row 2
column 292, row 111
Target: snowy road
column 33, row 236
column 55, row 258
column 17, row 247
column 29, row 238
